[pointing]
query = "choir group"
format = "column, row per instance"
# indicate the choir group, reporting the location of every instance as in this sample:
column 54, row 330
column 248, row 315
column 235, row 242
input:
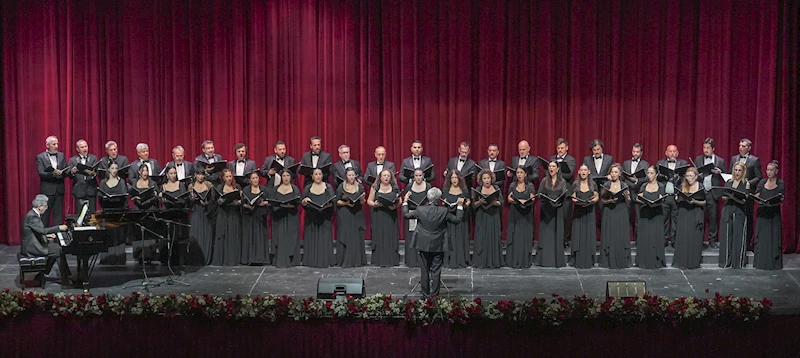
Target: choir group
column 235, row 219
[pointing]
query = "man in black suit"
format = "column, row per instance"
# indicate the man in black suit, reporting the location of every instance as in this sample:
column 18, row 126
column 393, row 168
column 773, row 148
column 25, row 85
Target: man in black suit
column 242, row 167
column 712, row 202
column 598, row 163
column 673, row 184
column 32, row 246
column 380, row 163
column 112, row 155
column 280, row 155
column 153, row 168
column 494, row 164
column 525, row 160
column 463, row 164
column 50, row 165
column 416, row 161
column 209, row 156
column 316, row 158
column 340, row 166
column 430, row 237
column 562, row 155
column 631, row 166
column 753, row 175
column 184, row 170
column 84, row 183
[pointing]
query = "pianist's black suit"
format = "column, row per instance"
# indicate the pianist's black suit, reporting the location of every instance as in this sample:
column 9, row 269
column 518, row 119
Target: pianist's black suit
column 31, row 246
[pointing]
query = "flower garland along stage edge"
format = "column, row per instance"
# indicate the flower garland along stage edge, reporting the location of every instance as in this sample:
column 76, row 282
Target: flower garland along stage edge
column 545, row 312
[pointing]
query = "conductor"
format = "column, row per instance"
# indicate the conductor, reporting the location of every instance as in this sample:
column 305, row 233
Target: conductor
column 430, row 237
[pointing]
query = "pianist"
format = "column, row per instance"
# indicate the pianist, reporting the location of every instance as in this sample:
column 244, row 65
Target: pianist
column 32, row 246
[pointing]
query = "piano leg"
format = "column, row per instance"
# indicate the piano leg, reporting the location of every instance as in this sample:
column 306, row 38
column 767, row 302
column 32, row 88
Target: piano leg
column 83, row 272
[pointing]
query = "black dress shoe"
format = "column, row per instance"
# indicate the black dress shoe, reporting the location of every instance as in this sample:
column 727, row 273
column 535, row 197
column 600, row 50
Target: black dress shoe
column 712, row 244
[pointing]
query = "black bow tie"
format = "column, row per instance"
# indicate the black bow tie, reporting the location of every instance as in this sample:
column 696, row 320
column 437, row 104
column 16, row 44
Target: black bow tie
column 708, row 157
column 600, row 157
column 346, row 162
column 180, row 164
column 209, row 158
column 145, row 161
column 416, row 158
column 53, row 154
column 492, row 160
column 670, row 160
column 634, row 160
column 315, row 154
column 523, row 158
column 462, row 160
column 376, row 163
column 741, row 156
column 83, row 158
column 240, row 161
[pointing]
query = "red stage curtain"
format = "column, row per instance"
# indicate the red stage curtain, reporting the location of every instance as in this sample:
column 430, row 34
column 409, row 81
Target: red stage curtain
column 370, row 73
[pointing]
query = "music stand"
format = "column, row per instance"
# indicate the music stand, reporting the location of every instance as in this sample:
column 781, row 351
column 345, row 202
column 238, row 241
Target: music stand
column 145, row 281
column 170, row 244
column 419, row 282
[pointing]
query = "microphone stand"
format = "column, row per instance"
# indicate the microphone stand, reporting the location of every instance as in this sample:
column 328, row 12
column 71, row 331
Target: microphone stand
column 170, row 245
column 146, row 281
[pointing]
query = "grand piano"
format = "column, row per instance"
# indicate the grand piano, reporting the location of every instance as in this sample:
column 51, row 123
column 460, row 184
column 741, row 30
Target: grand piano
column 90, row 235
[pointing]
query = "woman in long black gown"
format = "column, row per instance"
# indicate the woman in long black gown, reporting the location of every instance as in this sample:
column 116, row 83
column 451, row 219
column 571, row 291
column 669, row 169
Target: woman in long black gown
column 385, row 233
column 350, row 225
column 519, row 237
column 228, row 235
column 488, row 224
column 140, row 186
column 173, row 194
column 454, row 189
column 584, row 230
column 615, row 230
column 733, row 227
column 649, row 242
column 318, row 229
column 150, row 203
column 419, row 191
column 769, row 237
column 114, row 185
column 255, row 236
column 285, row 222
column 690, row 228
column 201, row 234
column 550, row 248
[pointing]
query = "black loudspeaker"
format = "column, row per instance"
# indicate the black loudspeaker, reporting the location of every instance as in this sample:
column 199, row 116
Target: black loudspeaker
column 625, row 289
column 329, row 288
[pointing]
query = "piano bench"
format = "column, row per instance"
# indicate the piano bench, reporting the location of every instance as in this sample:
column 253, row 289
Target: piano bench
column 36, row 264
